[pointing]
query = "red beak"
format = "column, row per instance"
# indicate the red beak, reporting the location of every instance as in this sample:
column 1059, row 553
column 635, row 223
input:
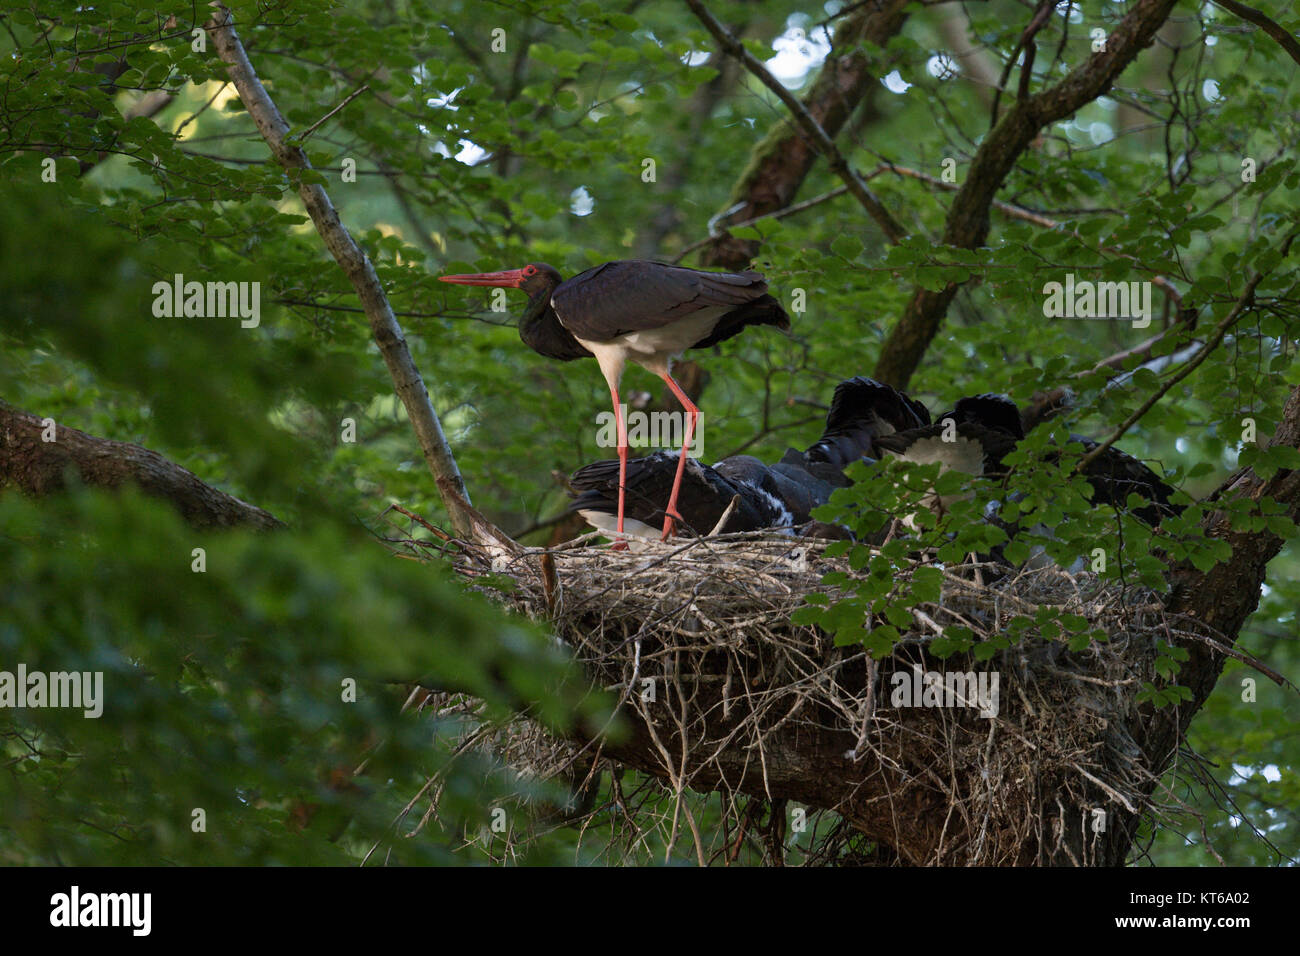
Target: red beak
column 509, row 278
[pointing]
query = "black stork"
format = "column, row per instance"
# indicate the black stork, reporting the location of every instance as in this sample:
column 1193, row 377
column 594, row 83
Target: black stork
column 988, row 426
column 780, row 496
column 863, row 411
column 705, row 495
column 633, row 310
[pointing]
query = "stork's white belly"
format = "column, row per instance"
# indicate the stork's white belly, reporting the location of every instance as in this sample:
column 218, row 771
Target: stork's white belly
column 963, row 455
column 652, row 349
column 632, row 528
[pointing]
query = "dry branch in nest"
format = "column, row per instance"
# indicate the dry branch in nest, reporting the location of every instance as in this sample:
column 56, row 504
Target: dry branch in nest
column 720, row 693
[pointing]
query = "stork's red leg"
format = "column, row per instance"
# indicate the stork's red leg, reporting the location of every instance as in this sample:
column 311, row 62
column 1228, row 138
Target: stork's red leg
column 619, row 543
column 692, row 413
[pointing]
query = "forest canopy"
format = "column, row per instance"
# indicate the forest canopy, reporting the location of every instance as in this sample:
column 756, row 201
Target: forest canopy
column 937, row 194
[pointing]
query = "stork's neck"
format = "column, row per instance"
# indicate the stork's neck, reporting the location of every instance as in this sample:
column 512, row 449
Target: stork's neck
column 541, row 330
column 535, row 314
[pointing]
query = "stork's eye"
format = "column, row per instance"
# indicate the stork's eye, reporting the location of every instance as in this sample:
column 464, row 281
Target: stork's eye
column 530, row 270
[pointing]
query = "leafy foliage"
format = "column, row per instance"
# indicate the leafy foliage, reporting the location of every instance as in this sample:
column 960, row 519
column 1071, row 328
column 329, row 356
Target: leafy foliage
column 475, row 150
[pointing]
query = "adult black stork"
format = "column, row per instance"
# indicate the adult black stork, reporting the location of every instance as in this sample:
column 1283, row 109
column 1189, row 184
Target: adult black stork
column 638, row 311
column 780, row 496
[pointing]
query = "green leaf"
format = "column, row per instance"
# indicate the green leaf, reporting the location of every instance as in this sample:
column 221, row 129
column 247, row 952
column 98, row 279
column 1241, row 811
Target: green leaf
column 846, row 246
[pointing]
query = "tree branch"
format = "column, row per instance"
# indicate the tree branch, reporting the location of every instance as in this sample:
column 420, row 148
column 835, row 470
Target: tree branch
column 806, row 121
column 781, row 161
column 1015, row 212
column 967, row 224
column 359, row 270
column 364, row 88
column 1271, row 27
column 39, row 467
column 1244, row 301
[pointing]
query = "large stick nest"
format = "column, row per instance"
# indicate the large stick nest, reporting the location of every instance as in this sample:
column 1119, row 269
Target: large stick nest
column 719, row 692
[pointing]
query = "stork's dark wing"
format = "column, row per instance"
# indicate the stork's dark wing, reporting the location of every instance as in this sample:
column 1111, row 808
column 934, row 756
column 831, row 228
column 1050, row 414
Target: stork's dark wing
column 857, row 397
column 704, row 497
column 787, row 497
column 972, row 445
column 548, row 337
column 1115, row 474
column 862, row 410
column 631, row 295
column 990, row 410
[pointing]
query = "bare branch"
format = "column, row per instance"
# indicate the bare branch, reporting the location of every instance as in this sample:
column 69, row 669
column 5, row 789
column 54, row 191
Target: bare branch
column 1015, row 212
column 358, row 268
column 811, row 128
column 775, row 214
column 348, row 99
column 1271, row 27
column 1244, row 301
column 780, row 162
